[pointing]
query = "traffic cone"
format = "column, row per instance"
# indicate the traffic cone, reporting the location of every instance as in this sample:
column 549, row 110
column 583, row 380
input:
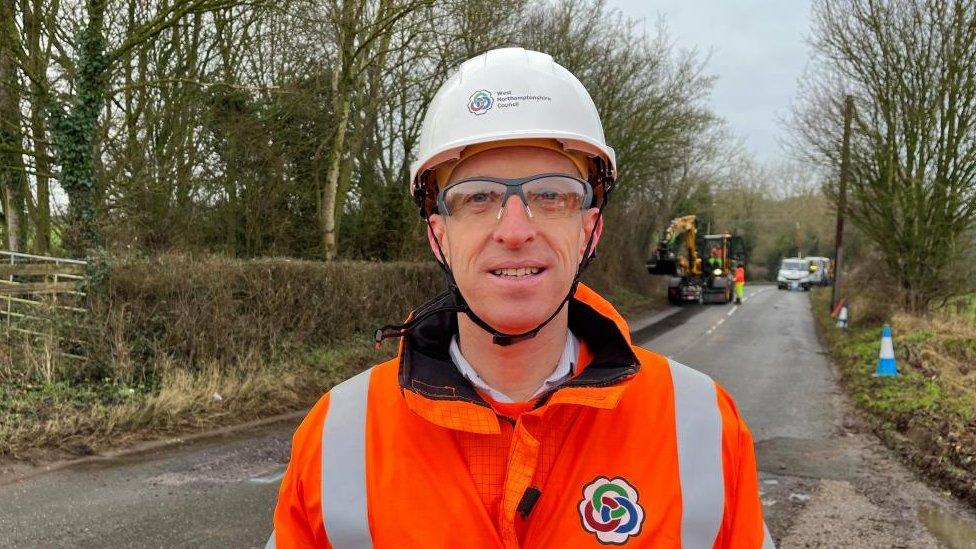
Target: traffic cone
column 886, row 358
column 842, row 318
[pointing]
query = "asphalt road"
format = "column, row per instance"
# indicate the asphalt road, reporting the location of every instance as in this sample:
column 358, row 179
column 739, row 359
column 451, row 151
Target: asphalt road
column 824, row 482
column 216, row 493
column 765, row 352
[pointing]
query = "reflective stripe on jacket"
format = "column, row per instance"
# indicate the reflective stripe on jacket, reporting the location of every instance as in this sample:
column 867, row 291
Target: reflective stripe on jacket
column 655, row 454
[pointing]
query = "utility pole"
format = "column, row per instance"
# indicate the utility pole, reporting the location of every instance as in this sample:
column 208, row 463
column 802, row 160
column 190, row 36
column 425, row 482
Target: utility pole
column 845, row 173
column 798, row 240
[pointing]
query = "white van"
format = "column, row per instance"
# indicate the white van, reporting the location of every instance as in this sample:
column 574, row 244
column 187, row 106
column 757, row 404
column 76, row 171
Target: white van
column 793, row 270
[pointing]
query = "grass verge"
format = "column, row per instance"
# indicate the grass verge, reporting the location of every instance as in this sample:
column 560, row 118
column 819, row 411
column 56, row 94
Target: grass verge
column 928, row 413
column 632, row 304
column 39, row 421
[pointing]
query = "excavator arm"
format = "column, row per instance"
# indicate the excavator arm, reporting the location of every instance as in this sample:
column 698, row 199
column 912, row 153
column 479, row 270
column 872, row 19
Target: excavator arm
column 668, row 258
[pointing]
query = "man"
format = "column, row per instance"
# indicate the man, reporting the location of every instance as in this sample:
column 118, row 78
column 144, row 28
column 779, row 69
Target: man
column 715, row 259
column 517, row 413
column 740, row 283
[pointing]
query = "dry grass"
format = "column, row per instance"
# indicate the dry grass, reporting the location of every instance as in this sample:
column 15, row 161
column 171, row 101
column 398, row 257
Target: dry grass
column 86, row 419
column 944, row 348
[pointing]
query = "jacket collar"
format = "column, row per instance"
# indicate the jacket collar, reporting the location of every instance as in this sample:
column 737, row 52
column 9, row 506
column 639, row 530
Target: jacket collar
column 434, row 388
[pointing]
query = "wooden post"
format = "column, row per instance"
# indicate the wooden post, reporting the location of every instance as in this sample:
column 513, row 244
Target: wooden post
column 845, row 173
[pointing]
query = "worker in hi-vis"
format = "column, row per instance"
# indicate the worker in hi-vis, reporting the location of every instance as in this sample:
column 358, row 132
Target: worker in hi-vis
column 517, row 412
column 715, row 259
column 740, row 283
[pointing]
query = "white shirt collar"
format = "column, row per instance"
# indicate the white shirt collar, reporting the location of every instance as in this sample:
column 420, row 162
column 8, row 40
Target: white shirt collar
column 564, row 370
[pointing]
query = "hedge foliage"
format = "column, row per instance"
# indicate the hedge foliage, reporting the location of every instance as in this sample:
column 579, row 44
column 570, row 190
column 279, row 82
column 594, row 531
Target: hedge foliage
column 201, row 310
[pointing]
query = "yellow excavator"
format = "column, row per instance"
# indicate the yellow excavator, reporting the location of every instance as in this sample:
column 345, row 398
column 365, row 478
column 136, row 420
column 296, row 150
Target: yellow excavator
column 692, row 277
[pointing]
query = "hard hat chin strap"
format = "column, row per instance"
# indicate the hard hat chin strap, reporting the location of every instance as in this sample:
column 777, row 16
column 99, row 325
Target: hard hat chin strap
column 459, row 305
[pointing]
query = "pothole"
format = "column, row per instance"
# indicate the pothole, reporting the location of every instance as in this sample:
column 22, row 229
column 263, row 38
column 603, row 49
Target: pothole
column 811, row 458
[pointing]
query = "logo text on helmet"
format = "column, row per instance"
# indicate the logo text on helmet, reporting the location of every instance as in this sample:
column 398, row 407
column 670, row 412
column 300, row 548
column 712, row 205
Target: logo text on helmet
column 480, row 102
column 610, row 510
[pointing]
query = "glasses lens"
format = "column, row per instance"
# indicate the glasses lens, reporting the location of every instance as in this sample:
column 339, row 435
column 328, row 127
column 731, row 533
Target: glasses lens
column 555, row 196
column 474, row 199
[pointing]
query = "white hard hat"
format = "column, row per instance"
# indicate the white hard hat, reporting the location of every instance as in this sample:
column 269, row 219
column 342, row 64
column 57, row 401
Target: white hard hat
column 509, row 94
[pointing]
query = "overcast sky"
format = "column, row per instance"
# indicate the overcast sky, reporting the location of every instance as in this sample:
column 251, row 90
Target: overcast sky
column 758, row 51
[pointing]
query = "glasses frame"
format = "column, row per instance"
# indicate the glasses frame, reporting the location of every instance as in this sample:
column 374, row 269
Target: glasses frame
column 513, row 187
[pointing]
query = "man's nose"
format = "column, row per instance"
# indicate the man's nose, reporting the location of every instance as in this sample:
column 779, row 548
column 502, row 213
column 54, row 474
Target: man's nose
column 515, row 225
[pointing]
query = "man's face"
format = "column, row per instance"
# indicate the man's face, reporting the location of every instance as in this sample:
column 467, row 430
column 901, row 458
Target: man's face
column 514, row 271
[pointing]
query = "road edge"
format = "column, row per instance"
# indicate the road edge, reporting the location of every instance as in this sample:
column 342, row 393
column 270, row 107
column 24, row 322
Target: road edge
column 149, row 446
column 643, row 321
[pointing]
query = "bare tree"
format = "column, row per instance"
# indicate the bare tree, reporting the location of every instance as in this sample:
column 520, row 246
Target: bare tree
column 257, row 129
column 38, row 43
column 13, row 179
column 361, row 31
column 911, row 67
column 76, row 123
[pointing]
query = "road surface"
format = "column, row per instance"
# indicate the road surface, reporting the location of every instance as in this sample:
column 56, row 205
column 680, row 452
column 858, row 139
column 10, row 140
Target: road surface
column 824, row 482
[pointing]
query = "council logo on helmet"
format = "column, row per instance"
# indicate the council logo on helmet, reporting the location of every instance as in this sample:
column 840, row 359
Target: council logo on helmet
column 480, row 102
column 610, row 510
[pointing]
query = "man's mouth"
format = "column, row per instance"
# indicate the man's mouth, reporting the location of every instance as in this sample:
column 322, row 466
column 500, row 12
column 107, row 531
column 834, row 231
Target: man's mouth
column 517, row 272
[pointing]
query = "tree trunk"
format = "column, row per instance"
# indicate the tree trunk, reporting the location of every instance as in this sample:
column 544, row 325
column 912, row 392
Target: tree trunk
column 13, row 176
column 75, row 135
column 328, row 212
column 342, row 84
column 12, row 217
column 42, row 219
column 365, row 121
column 38, row 57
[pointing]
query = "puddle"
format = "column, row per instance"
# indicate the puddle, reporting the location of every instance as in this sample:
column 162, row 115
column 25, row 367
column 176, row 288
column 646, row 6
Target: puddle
column 954, row 532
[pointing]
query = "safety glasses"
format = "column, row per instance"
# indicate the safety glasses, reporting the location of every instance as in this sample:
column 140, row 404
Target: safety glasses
column 545, row 196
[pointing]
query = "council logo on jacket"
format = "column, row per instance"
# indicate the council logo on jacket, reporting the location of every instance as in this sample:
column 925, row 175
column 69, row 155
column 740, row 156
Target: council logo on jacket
column 610, row 510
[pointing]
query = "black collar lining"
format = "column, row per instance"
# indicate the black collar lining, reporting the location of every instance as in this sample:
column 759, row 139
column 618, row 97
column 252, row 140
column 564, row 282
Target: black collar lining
column 426, row 367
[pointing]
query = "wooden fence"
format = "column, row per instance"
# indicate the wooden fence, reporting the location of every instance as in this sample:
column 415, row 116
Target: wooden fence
column 37, row 292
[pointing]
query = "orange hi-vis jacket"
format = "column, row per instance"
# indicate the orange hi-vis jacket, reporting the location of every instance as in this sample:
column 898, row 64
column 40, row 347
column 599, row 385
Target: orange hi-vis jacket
column 740, row 275
column 633, row 449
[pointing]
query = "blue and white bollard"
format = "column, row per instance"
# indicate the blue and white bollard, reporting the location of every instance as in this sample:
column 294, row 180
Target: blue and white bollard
column 886, row 358
column 842, row 318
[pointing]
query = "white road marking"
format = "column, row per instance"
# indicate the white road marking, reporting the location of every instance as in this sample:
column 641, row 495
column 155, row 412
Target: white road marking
column 733, row 310
column 717, row 324
column 269, row 479
column 752, row 292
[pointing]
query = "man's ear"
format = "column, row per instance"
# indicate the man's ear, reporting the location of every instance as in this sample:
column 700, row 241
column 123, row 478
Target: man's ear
column 437, row 229
column 592, row 224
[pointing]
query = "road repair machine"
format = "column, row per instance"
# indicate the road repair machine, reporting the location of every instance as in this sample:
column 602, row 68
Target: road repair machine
column 694, row 278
